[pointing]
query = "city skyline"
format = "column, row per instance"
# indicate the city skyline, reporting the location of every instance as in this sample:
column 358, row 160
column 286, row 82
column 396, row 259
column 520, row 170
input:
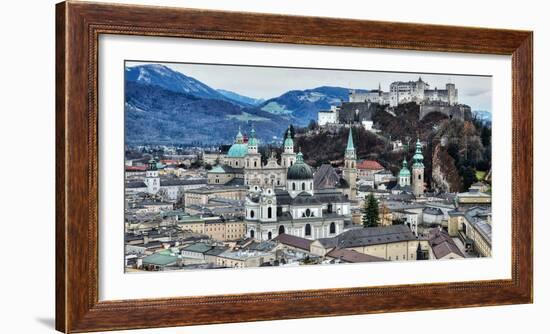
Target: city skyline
column 260, row 82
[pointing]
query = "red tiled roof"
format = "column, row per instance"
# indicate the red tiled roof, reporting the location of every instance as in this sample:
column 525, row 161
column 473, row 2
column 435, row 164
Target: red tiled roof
column 136, row 168
column 169, row 162
column 369, row 164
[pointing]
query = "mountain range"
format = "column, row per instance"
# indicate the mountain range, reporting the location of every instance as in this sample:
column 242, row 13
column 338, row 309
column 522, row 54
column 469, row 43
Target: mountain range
column 165, row 106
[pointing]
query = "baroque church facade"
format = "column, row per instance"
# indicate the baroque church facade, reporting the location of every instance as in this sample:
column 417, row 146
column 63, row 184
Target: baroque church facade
column 243, row 164
column 298, row 208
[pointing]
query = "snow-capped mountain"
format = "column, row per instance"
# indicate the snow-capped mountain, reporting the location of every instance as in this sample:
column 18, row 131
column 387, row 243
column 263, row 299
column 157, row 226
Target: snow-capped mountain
column 484, row 116
column 303, row 105
column 164, row 77
column 166, row 106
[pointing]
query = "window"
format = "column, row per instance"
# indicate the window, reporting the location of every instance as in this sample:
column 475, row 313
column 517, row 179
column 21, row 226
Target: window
column 281, row 229
column 332, row 229
column 269, row 235
column 303, row 186
column 419, row 176
column 293, row 186
column 308, row 213
column 251, row 213
column 255, row 163
column 269, row 213
column 252, row 234
column 308, row 230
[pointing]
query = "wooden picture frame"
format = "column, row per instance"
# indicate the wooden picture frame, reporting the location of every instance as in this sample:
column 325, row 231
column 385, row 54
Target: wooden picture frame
column 78, row 27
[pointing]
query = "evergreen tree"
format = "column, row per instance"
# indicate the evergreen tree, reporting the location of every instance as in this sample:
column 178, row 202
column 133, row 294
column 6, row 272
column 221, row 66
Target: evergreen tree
column 370, row 212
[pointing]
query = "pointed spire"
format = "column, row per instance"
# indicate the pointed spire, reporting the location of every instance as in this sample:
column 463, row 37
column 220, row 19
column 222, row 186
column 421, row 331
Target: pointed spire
column 252, row 141
column 350, row 146
column 418, row 157
column 239, row 138
column 288, row 143
column 299, row 156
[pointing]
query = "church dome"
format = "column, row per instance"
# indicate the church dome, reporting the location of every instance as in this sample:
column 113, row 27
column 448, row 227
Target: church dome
column 237, row 151
column 404, row 172
column 300, row 170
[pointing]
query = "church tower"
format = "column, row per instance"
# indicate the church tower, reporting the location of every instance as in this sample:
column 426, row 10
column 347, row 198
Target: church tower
column 404, row 175
column 418, row 170
column 152, row 179
column 288, row 157
column 350, row 166
column 253, row 158
column 268, row 205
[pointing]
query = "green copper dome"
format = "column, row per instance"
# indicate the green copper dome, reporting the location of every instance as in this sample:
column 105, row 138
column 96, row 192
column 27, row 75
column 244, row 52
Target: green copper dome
column 418, row 157
column 288, row 140
column 404, row 172
column 300, row 170
column 252, row 141
column 237, row 151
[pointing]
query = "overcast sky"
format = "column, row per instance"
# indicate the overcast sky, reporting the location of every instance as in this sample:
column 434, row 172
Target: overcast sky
column 269, row 82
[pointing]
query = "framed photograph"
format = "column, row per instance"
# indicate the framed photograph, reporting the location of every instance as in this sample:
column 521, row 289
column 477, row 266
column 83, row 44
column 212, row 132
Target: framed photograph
column 222, row 167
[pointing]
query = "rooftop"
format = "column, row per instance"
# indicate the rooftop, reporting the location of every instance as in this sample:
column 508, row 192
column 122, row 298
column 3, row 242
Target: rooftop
column 159, row 259
column 293, row 241
column 352, row 256
column 369, row 164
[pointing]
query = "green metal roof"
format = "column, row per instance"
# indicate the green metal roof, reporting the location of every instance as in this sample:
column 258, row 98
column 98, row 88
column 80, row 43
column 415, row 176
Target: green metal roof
column 300, row 170
column 418, row 157
column 199, row 248
column 160, row 259
column 404, row 170
column 252, row 141
column 217, row 169
column 350, row 146
column 237, row 151
column 288, row 140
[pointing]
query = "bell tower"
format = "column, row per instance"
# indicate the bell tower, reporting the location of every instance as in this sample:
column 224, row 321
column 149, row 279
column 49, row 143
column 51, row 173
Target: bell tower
column 152, row 179
column 253, row 158
column 268, row 205
column 350, row 166
column 288, row 157
column 418, row 170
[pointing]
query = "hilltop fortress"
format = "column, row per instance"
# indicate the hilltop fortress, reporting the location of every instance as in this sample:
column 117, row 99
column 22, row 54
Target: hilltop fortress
column 359, row 107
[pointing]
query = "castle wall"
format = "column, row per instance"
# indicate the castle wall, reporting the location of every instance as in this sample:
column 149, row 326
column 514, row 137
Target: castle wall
column 452, row 111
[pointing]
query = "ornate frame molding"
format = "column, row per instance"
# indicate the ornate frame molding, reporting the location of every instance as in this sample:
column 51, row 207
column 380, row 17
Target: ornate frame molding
column 78, row 27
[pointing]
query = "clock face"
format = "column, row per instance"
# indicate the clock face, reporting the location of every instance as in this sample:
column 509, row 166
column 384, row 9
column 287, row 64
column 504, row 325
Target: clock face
column 268, row 202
